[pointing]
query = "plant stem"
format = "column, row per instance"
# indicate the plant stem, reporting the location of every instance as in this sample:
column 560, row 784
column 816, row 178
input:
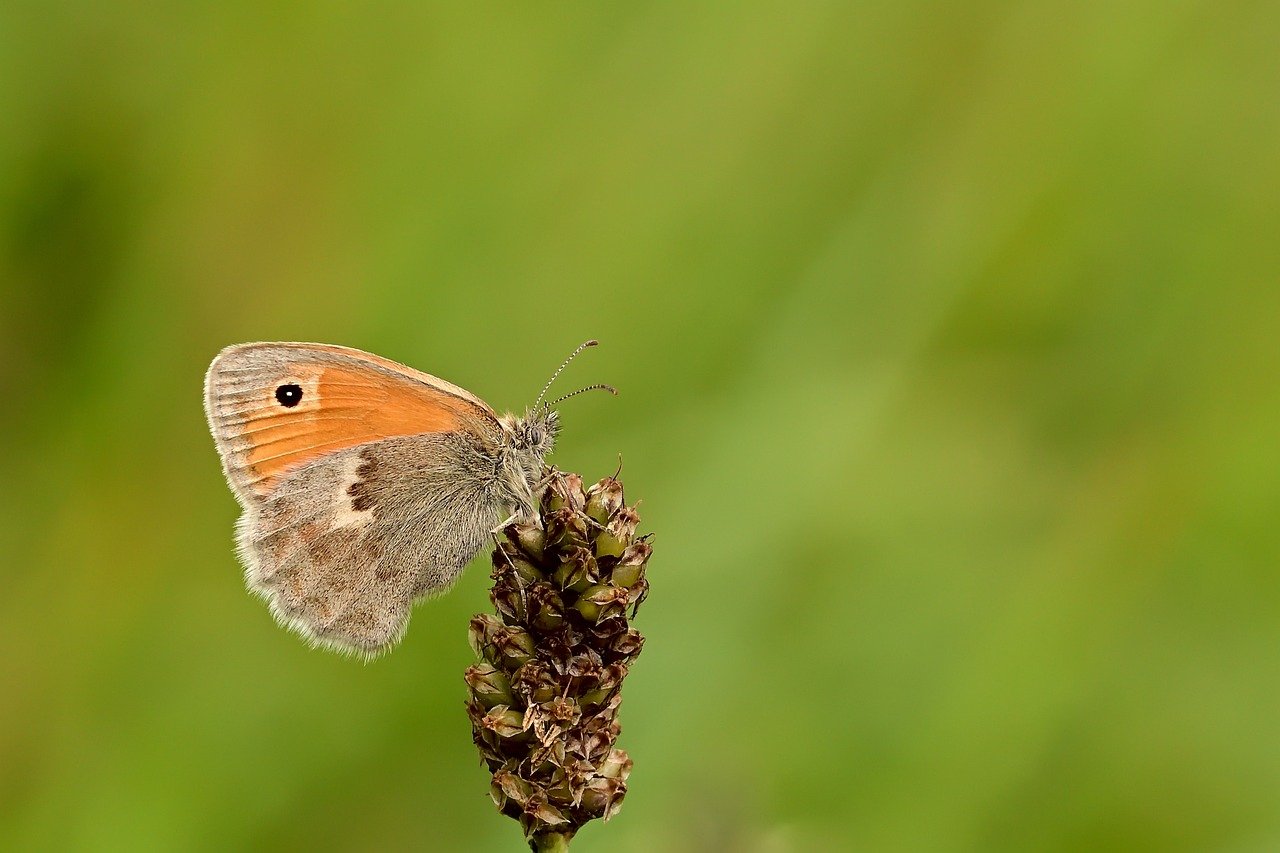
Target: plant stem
column 551, row 842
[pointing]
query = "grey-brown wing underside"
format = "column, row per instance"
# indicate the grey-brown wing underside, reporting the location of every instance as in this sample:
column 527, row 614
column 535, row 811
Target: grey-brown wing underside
column 344, row 546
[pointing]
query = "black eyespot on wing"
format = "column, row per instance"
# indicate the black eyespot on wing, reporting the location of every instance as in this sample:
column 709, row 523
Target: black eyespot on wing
column 289, row 395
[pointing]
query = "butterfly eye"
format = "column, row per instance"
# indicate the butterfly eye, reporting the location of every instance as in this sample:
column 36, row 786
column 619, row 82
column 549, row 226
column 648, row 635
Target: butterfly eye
column 289, row 395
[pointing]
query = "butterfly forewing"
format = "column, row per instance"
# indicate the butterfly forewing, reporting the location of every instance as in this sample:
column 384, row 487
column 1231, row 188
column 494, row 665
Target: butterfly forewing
column 275, row 407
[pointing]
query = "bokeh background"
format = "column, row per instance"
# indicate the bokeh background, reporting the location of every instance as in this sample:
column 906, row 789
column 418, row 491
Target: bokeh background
column 947, row 335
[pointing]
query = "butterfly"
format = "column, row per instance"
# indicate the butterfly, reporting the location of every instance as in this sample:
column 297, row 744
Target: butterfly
column 366, row 485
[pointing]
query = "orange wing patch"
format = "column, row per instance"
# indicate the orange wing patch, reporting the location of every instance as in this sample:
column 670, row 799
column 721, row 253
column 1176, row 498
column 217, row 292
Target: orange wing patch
column 340, row 406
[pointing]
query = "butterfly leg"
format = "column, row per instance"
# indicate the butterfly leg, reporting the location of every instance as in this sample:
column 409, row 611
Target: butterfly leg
column 498, row 549
column 502, row 525
column 497, row 543
column 547, row 478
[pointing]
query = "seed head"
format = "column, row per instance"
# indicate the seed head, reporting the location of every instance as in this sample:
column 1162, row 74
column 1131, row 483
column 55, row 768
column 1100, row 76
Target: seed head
column 544, row 700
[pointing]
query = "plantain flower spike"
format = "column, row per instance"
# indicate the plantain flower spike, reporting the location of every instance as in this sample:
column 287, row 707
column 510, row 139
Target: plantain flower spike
column 544, row 699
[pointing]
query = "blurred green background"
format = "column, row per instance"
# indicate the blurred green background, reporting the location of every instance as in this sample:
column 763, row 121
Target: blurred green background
column 947, row 336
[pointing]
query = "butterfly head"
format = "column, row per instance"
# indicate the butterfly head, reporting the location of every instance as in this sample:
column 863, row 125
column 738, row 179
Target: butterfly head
column 536, row 432
column 533, row 436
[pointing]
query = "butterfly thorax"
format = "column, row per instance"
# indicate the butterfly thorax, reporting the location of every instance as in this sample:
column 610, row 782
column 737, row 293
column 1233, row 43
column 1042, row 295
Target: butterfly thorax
column 526, row 442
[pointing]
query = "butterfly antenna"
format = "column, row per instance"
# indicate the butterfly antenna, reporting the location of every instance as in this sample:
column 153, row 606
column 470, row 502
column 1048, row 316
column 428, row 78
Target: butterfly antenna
column 560, row 369
column 599, row 386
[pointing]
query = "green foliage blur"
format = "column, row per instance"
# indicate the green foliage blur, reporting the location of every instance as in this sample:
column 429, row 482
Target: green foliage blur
column 947, row 340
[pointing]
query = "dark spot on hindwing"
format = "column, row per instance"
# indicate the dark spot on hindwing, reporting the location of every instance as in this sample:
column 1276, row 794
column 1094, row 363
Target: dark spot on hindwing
column 361, row 491
column 361, row 500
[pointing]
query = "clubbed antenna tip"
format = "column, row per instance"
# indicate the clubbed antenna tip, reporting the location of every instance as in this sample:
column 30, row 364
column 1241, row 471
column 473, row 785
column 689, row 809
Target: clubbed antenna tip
column 543, row 393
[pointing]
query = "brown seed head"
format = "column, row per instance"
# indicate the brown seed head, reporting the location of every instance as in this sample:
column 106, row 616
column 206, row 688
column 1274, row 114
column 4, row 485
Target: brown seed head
column 544, row 702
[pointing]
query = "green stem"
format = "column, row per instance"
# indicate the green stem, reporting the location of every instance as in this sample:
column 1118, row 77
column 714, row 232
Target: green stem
column 551, row 842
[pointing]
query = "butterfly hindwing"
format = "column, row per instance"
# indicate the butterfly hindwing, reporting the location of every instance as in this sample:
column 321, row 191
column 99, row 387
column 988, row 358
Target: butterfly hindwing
column 345, row 544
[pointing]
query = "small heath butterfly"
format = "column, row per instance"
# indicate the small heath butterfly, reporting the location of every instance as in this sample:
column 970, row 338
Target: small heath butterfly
column 366, row 485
